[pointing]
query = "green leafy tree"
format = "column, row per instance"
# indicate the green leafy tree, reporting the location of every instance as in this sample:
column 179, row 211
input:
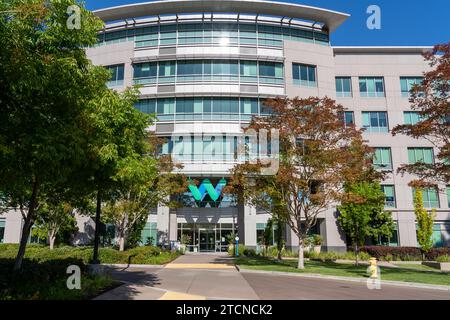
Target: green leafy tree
column 425, row 222
column 46, row 82
column 55, row 222
column 143, row 184
column 362, row 214
column 116, row 146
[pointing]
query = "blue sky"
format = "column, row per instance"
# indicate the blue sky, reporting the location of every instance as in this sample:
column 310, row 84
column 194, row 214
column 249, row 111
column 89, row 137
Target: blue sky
column 403, row 22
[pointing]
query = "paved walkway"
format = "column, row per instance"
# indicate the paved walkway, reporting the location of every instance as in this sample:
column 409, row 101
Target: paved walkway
column 213, row 276
column 190, row 277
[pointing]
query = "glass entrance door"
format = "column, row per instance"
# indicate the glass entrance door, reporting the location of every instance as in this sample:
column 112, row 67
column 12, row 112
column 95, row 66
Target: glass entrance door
column 207, row 240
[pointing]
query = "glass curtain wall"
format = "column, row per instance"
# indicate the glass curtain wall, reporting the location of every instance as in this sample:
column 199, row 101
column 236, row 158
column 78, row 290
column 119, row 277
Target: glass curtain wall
column 182, row 109
column 208, row 70
column 213, row 33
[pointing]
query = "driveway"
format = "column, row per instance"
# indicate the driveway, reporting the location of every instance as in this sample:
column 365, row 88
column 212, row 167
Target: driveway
column 213, row 276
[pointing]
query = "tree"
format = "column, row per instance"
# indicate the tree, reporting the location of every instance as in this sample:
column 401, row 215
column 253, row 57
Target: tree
column 117, row 147
column 362, row 214
column 45, row 83
column 317, row 153
column 143, row 184
column 54, row 222
column 431, row 100
column 424, row 221
column 274, row 233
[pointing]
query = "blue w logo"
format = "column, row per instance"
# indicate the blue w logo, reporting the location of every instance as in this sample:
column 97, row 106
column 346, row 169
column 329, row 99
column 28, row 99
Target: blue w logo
column 207, row 187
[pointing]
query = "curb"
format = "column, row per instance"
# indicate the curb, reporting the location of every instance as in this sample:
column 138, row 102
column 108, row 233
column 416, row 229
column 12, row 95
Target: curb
column 350, row 279
column 143, row 266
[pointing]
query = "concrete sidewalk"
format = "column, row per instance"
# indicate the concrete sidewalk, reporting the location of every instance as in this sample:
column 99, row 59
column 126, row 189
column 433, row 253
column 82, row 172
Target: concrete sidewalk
column 213, row 276
column 191, row 276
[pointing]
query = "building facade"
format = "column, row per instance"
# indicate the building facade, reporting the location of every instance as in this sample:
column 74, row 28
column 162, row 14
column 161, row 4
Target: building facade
column 205, row 68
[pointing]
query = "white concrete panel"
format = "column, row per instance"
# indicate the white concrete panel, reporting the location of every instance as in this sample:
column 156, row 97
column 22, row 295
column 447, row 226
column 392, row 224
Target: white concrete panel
column 146, row 53
column 148, row 90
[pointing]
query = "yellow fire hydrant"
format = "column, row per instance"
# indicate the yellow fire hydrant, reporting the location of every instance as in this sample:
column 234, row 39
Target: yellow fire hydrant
column 373, row 269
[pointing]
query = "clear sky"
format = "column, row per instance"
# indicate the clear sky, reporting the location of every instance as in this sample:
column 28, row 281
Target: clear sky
column 403, row 22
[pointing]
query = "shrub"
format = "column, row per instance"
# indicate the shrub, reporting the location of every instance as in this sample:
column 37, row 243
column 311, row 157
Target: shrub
column 43, row 280
column 434, row 253
column 231, row 249
column 395, row 253
column 249, row 252
column 272, row 251
column 363, row 256
column 389, row 257
column 137, row 255
column 404, row 253
column 242, row 250
column 317, row 240
column 444, row 258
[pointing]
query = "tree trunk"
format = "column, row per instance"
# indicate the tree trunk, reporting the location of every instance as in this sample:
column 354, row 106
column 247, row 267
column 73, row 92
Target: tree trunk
column 279, row 239
column 97, row 227
column 301, row 259
column 51, row 239
column 121, row 242
column 356, row 254
column 29, row 220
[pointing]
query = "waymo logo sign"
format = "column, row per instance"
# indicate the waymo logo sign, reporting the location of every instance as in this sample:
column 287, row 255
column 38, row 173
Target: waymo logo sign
column 206, row 187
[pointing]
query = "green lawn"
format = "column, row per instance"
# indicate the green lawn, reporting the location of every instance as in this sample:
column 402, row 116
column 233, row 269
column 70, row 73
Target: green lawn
column 414, row 266
column 344, row 270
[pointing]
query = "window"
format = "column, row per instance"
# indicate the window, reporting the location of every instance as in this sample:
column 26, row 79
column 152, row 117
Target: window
column 248, row 108
column 343, row 87
column 208, row 70
column 187, row 108
column 260, row 231
column 167, row 71
column 391, row 241
column 371, row 87
column 448, row 196
column 117, row 76
column 430, row 197
column 146, row 106
column 382, row 158
column 270, row 72
column 389, row 192
column 189, row 33
column 145, row 37
column 407, row 83
column 411, row 117
column 304, row 75
column 165, row 109
column 149, row 234
column 424, row 155
column 191, row 70
column 375, row 121
column 202, row 108
column 145, row 73
column 349, row 118
column 249, row 71
column 2, row 230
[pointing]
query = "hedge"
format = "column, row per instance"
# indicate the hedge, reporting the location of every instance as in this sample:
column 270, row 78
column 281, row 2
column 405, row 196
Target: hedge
column 138, row 255
column 403, row 253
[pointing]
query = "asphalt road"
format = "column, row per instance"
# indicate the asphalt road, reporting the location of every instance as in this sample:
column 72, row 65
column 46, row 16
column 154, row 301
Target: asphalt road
column 213, row 277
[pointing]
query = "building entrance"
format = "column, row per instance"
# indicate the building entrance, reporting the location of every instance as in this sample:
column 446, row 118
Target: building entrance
column 207, row 240
column 206, row 237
